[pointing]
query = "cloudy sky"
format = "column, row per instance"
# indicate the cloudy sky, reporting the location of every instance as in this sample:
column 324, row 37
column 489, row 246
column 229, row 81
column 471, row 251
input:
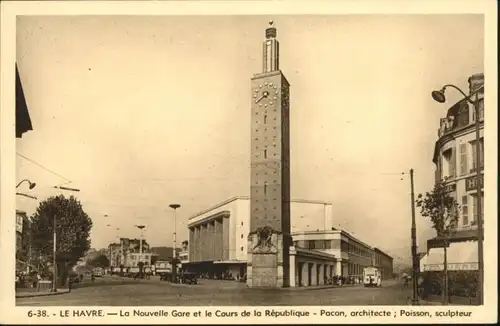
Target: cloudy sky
column 141, row 112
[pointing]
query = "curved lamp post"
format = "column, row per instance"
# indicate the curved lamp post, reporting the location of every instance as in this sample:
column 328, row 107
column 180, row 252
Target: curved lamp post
column 32, row 184
column 439, row 96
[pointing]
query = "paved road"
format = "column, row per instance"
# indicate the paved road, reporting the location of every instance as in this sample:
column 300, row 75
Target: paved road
column 118, row 292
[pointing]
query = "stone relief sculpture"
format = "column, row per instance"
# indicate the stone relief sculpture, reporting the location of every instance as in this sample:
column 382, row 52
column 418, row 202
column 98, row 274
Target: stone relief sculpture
column 264, row 243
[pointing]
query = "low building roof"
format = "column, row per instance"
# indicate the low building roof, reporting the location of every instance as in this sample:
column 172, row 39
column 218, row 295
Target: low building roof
column 227, row 201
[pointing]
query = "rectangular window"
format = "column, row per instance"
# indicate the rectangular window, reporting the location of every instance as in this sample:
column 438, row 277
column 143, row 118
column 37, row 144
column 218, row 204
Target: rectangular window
column 327, row 244
column 463, row 159
column 481, row 110
column 474, row 203
column 473, row 147
column 452, row 163
column 465, row 211
column 318, row 244
column 265, row 119
column 265, row 189
column 265, row 153
column 481, row 154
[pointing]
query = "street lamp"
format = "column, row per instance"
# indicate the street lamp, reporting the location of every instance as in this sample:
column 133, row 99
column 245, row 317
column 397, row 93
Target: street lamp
column 174, row 207
column 174, row 262
column 54, row 249
column 32, row 184
column 140, row 227
column 439, row 96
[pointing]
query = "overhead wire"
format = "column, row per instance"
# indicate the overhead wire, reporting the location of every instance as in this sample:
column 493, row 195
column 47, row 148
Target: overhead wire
column 43, row 167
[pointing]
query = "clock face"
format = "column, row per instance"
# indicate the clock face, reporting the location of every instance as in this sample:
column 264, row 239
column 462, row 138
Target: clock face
column 266, row 94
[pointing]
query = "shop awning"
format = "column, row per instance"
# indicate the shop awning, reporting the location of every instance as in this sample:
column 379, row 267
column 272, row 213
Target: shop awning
column 23, row 120
column 460, row 256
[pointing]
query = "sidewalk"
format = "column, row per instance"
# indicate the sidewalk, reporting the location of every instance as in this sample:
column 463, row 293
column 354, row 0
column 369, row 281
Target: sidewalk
column 437, row 300
column 29, row 294
column 320, row 287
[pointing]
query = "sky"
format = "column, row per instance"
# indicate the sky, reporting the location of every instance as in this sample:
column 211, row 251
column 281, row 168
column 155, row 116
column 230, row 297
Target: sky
column 140, row 112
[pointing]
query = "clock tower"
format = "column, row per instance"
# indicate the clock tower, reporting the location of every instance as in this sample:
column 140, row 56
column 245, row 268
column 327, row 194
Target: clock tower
column 269, row 239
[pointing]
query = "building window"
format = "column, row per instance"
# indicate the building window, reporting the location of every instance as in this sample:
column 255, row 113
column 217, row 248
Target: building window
column 327, row 244
column 474, row 207
column 265, row 119
column 265, row 153
column 265, row 189
column 449, row 156
column 463, row 159
column 465, row 211
column 241, row 248
column 242, row 236
column 481, row 154
column 241, row 223
column 481, row 111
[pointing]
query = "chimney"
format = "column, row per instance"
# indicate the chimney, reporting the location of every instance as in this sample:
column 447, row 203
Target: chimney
column 476, row 81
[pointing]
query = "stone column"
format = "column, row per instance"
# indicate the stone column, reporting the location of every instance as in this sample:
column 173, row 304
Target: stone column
column 203, row 242
column 210, row 240
column 191, row 243
column 293, row 270
column 198, row 243
column 225, row 238
column 320, row 272
column 338, row 268
column 213, row 241
column 305, row 274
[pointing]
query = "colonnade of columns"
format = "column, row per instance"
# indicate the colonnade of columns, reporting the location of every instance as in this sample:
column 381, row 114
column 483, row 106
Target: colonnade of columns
column 209, row 241
column 311, row 272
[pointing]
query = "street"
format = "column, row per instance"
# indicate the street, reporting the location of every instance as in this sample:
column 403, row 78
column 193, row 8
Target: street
column 109, row 291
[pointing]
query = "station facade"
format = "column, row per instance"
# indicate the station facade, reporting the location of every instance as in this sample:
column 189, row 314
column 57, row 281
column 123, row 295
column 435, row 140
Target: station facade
column 218, row 246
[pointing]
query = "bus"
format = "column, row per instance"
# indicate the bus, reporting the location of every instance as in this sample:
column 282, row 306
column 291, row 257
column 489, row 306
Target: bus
column 372, row 277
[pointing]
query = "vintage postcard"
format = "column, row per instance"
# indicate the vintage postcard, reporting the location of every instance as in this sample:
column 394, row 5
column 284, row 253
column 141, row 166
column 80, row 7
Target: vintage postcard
column 248, row 162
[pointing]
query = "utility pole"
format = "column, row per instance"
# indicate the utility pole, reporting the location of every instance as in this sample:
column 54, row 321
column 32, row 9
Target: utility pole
column 54, row 252
column 415, row 262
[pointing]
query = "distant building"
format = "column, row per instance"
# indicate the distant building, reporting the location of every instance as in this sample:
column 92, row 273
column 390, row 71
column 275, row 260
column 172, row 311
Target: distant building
column 128, row 253
column 23, row 241
column 164, row 252
column 455, row 159
column 384, row 263
column 184, row 252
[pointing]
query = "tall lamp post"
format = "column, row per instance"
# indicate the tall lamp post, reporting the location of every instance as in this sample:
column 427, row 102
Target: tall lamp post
column 54, row 248
column 174, row 263
column 439, row 96
column 140, row 227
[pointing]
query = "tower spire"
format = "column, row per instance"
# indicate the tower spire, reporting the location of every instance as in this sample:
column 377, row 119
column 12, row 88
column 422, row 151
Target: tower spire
column 270, row 56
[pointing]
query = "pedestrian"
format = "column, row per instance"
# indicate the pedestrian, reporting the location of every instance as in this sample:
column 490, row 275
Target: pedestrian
column 34, row 280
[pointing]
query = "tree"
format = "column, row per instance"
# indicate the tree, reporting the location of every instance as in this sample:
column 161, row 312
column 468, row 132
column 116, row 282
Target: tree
column 100, row 260
column 73, row 227
column 442, row 210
